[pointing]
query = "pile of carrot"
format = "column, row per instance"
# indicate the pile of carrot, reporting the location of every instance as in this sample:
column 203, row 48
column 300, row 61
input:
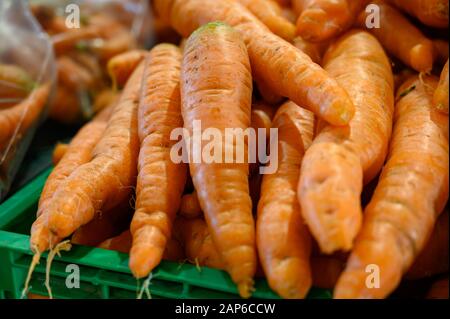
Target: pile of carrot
column 362, row 152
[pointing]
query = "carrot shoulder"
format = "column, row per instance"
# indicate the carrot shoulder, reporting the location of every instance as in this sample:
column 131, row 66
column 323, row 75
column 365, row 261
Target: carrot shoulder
column 440, row 100
column 342, row 158
column 411, row 193
column 109, row 177
column 321, row 20
column 401, row 38
column 161, row 181
column 282, row 67
column 283, row 240
column 216, row 88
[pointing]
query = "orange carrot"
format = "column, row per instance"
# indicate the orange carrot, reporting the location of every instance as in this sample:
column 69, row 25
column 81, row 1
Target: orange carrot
column 270, row 13
column 439, row 289
column 58, row 152
column 321, row 20
column 65, row 107
column 73, row 75
column 411, row 193
column 223, row 191
column 78, row 153
column 282, row 67
column 314, row 50
column 122, row 66
column 67, row 41
column 121, row 243
column 190, row 206
column 401, row 38
column 340, row 158
column 160, row 182
column 433, row 259
column 307, row 122
column 431, row 12
column 283, row 240
column 108, row 178
column 440, row 100
column 105, row 98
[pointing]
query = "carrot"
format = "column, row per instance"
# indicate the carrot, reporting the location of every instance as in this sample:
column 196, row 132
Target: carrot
column 190, row 206
column 321, row 20
column 67, row 41
column 58, row 152
column 122, row 66
column 160, row 182
column 440, row 100
column 121, row 243
column 73, row 75
column 341, row 158
column 285, row 69
column 326, row 271
column 78, row 153
column 289, row 14
column 440, row 50
column 198, row 243
column 433, row 259
column 267, row 94
column 105, row 98
column 283, row 240
column 439, row 289
column 15, row 83
column 223, row 191
column 261, row 118
column 108, row 48
column 431, row 12
column 307, row 123
column 401, row 38
column 15, row 121
column 270, row 13
column 65, row 107
column 108, row 178
column 104, row 225
column 314, row 50
column 411, row 193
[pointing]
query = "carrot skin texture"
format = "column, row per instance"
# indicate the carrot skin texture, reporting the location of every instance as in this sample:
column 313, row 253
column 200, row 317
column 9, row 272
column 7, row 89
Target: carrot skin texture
column 121, row 66
column 283, row 240
column 411, row 193
column 216, row 88
column 440, row 99
column 430, row 12
column 270, row 13
column 401, row 38
column 341, row 159
column 282, row 67
column 160, row 181
column 321, row 20
column 109, row 177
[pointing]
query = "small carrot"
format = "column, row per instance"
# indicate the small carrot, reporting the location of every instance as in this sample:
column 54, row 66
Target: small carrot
column 108, row 178
column 321, row 20
column 270, row 13
column 411, row 193
column 282, row 67
column 431, row 12
column 433, row 259
column 283, row 240
column 190, row 206
column 222, row 188
column 122, row 66
column 58, row 152
column 340, row 159
column 440, row 100
column 160, row 181
column 78, row 153
column 401, row 38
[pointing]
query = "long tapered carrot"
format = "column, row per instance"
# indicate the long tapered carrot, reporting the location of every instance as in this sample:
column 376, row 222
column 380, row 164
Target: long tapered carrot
column 283, row 240
column 122, row 66
column 160, row 182
column 440, row 99
column 341, row 157
column 284, row 68
column 109, row 177
column 321, row 20
column 411, row 193
column 433, row 259
column 431, row 12
column 78, row 153
column 216, row 89
column 270, row 13
column 401, row 38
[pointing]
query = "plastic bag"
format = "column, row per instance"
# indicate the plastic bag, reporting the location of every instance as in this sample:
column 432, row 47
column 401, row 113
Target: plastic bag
column 85, row 35
column 27, row 73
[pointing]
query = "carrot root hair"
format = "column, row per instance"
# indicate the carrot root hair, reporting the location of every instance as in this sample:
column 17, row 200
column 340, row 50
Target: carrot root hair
column 62, row 246
column 145, row 288
column 34, row 262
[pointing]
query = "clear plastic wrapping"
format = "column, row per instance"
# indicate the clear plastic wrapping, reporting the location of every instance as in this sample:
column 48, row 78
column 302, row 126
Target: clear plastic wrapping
column 27, row 73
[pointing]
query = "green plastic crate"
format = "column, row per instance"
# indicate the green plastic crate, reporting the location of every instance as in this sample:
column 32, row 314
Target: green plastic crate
column 103, row 273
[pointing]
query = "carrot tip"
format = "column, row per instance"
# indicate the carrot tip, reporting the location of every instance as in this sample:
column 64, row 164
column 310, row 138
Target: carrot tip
column 246, row 288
